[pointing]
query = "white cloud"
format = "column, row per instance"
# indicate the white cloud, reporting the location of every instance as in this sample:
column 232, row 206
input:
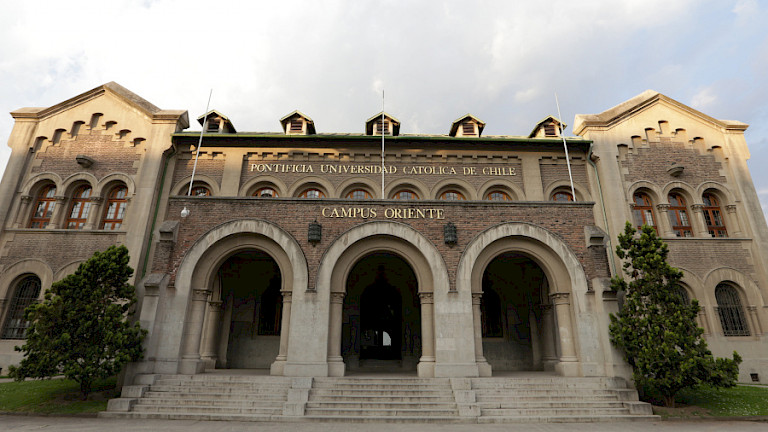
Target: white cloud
column 704, row 99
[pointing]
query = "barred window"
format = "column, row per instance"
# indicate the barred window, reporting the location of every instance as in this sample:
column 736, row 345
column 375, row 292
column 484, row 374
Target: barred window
column 682, row 295
column 27, row 291
column 731, row 313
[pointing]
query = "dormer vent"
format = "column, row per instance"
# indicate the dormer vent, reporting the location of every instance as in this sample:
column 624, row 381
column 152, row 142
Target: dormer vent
column 216, row 122
column 297, row 123
column 549, row 127
column 467, row 126
column 389, row 127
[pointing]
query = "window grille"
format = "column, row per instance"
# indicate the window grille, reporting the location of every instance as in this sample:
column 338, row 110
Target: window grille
column 731, row 313
column 27, row 292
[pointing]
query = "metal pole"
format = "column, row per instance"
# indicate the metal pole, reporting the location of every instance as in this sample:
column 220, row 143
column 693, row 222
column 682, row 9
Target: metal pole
column 199, row 143
column 565, row 146
column 382, row 145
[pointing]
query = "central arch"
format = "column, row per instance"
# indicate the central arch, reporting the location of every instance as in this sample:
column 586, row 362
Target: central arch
column 391, row 240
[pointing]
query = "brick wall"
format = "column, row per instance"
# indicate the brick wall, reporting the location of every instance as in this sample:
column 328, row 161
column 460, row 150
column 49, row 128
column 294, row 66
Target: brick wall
column 652, row 162
column 57, row 248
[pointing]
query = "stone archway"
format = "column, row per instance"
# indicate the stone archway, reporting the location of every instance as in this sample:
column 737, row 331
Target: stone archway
column 567, row 283
column 196, row 282
column 382, row 237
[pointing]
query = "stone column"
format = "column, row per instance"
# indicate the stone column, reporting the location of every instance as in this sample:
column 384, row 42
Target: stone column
column 285, row 322
column 703, row 322
column 2, row 312
column 94, row 213
column 549, row 347
column 58, row 210
column 22, row 216
column 193, row 329
column 698, row 224
column 336, row 365
column 482, row 363
column 568, row 365
column 663, row 226
column 732, row 224
column 426, row 366
column 755, row 321
column 215, row 309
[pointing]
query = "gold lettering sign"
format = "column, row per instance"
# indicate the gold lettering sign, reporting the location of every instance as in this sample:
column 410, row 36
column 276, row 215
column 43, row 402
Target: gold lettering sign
column 389, row 213
column 410, row 170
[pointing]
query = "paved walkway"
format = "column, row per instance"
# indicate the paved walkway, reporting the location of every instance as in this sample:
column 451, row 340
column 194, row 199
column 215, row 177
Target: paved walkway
column 73, row 424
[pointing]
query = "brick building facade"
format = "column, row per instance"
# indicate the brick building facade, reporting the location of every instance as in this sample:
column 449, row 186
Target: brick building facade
column 474, row 258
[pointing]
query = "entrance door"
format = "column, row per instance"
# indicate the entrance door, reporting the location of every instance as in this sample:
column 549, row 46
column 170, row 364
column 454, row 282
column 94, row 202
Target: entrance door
column 381, row 322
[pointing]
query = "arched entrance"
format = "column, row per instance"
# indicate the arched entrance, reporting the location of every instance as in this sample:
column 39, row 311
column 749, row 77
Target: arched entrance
column 381, row 326
column 251, row 310
column 515, row 315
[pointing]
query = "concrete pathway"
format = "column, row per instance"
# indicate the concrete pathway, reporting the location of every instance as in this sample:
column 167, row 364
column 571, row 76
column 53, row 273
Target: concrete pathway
column 74, row 424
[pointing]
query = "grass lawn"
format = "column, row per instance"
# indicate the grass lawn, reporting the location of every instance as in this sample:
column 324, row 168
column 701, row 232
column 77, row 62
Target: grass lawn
column 55, row 396
column 739, row 401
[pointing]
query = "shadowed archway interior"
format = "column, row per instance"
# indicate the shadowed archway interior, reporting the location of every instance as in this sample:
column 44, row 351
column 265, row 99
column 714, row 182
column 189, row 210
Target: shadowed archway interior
column 516, row 325
column 381, row 326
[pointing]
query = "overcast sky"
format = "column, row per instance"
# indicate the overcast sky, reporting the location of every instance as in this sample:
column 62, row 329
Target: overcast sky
column 502, row 61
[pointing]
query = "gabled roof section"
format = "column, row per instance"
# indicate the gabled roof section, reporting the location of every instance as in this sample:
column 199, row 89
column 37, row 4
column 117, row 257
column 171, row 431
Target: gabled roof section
column 467, row 117
column 546, row 121
column 372, row 121
column 310, row 124
column 115, row 89
column 223, row 122
column 640, row 102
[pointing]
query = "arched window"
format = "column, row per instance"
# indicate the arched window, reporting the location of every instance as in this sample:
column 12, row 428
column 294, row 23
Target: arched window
column 359, row 194
column 491, row 314
column 713, row 216
column 405, row 194
column 678, row 216
column 643, row 211
column 27, row 291
column 452, row 195
column 312, row 193
column 200, row 191
column 43, row 207
column 115, row 208
column 265, row 192
column 498, row 196
column 731, row 313
column 681, row 294
column 562, row 196
column 81, row 205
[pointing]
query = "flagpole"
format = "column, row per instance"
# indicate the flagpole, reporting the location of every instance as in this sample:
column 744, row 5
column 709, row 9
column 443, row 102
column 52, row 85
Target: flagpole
column 382, row 145
column 565, row 146
column 185, row 211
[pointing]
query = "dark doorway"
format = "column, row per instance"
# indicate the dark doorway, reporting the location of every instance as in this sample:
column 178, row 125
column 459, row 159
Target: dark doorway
column 381, row 326
column 516, row 319
column 252, row 311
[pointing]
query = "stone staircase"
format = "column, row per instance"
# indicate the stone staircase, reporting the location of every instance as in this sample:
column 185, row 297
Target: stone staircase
column 380, row 398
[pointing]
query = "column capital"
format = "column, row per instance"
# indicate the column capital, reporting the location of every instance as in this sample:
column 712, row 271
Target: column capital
column 560, row 298
column 216, row 305
column 337, row 297
column 730, row 208
column 426, row 298
column 26, row 199
column 752, row 308
column 60, row 198
column 546, row 307
column 476, row 298
column 662, row 207
column 698, row 208
column 97, row 199
column 287, row 296
column 200, row 294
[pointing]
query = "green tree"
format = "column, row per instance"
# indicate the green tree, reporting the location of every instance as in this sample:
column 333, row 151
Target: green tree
column 81, row 329
column 656, row 328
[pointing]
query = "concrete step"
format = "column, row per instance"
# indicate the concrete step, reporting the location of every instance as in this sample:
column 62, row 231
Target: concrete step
column 190, row 416
column 218, row 389
column 550, row 404
column 554, row 412
column 207, row 409
column 379, row 412
column 542, row 398
column 549, row 380
column 381, row 405
column 182, row 395
column 382, row 386
column 386, row 419
column 382, row 398
column 363, row 392
column 211, row 401
column 567, row 419
column 542, row 392
column 218, row 383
